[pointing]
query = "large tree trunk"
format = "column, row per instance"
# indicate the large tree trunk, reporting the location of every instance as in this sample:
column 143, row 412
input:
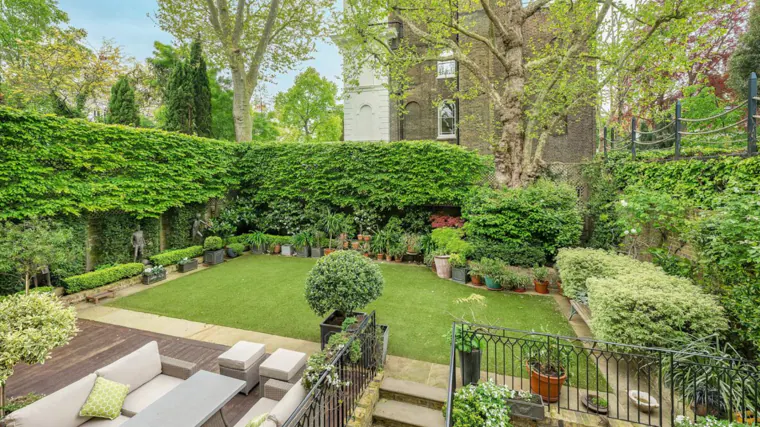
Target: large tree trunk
column 508, row 152
column 241, row 105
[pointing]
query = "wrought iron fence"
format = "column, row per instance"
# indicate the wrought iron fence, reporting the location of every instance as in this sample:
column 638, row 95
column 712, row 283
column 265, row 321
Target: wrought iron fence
column 675, row 133
column 649, row 386
column 333, row 398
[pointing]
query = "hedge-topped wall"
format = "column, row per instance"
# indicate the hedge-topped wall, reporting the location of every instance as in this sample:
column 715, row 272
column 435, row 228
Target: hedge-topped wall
column 54, row 166
column 345, row 174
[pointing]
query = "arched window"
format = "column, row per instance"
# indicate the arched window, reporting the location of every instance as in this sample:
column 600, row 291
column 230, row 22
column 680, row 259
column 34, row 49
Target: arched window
column 447, row 120
column 365, row 126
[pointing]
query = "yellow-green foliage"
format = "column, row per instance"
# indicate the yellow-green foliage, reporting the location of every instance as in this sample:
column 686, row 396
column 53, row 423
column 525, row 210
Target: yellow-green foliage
column 101, row 277
column 173, row 257
column 576, row 265
column 650, row 308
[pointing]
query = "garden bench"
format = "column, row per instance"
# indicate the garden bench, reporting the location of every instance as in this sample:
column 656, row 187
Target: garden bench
column 580, row 309
column 97, row 297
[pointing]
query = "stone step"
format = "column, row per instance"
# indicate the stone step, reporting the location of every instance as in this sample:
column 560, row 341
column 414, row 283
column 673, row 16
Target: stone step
column 414, row 393
column 392, row 413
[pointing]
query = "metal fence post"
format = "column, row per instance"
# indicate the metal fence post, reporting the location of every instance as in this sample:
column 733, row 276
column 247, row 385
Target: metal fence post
column 612, row 138
column 751, row 113
column 633, row 138
column 678, row 129
column 604, row 142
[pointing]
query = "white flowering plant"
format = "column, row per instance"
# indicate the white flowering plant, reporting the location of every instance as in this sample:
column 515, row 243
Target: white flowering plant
column 484, row 404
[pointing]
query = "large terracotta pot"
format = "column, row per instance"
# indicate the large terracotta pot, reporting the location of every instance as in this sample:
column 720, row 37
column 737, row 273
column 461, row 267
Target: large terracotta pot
column 548, row 387
column 541, row 287
column 380, row 257
column 328, row 251
column 443, row 266
column 277, row 248
column 476, row 280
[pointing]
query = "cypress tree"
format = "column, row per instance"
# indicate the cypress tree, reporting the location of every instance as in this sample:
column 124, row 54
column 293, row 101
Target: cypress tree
column 746, row 57
column 201, row 91
column 180, row 100
column 122, row 108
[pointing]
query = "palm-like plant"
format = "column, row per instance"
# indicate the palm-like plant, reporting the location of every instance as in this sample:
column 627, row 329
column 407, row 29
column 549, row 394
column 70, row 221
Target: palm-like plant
column 333, row 224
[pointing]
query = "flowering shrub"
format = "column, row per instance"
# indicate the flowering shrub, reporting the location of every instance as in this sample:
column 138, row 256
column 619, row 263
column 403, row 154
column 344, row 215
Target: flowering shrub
column 484, row 404
column 683, row 421
column 441, row 220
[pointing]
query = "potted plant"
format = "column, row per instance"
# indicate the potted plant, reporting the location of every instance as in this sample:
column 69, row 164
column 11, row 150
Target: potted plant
column 302, row 242
column 522, row 281
column 275, row 243
column 469, row 346
column 153, row 274
column 480, row 405
column 187, row 264
column 343, row 282
column 213, row 253
column 442, row 266
column 397, row 251
column 459, row 271
column 234, row 250
column 287, row 246
column 476, row 273
column 547, row 375
column 412, row 242
column 595, row 403
column 379, row 244
column 541, row 279
column 527, row 405
column 332, row 224
column 493, row 271
column 258, row 242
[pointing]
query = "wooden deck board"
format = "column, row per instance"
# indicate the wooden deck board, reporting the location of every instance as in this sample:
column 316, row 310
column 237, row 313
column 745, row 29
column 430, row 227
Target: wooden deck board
column 99, row 344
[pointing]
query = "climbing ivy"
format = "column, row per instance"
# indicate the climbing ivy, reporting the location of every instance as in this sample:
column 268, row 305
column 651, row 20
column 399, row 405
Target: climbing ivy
column 54, row 166
column 180, row 221
column 113, row 237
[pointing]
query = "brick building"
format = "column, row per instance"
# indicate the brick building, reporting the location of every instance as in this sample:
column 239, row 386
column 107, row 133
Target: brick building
column 431, row 113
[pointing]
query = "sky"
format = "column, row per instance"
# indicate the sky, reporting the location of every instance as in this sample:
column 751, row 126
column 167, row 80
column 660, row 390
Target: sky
column 127, row 23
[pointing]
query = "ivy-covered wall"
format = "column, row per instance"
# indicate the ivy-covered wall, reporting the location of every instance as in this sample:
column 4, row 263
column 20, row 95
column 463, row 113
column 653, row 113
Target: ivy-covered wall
column 112, row 237
column 54, row 166
column 179, row 225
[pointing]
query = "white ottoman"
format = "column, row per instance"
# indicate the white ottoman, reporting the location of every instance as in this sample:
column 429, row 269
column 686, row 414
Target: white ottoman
column 284, row 365
column 242, row 361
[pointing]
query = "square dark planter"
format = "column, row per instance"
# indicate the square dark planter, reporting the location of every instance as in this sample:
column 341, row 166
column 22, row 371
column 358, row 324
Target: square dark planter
column 304, row 252
column 213, row 257
column 190, row 266
column 153, row 278
column 333, row 325
column 316, row 252
column 460, row 275
column 259, row 249
column 532, row 409
column 288, row 250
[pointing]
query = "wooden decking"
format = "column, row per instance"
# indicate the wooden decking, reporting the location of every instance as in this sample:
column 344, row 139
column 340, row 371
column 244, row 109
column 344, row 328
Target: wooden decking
column 99, row 344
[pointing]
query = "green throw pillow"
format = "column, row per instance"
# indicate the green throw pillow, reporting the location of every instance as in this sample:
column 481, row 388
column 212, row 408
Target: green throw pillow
column 256, row 422
column 105, row 400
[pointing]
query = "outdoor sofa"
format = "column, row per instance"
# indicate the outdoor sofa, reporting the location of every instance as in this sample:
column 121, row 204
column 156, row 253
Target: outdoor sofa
column 148, row 374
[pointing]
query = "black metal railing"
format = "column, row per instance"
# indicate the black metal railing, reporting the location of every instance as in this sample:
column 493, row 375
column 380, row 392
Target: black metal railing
column 333, row 398
column 739, row 130
column 666, row 383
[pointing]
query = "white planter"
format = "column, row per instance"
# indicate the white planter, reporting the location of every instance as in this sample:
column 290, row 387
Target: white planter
column 443, row 266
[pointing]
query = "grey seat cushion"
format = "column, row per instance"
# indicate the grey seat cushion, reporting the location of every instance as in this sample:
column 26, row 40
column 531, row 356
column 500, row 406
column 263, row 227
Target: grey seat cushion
column 102, row 422
column 136, row 368
column 283, row 364
column 285, row 407
column 242, row 355
column 60, row 409
column 263, row 406
column 148, row 393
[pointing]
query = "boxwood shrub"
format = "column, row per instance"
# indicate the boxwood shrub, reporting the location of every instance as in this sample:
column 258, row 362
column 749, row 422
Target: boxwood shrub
column 344, row 281
column 577, row 265
column 650, row 308
column 102, row 277
column 173, row 257
column 238, row 248
column 213, row 243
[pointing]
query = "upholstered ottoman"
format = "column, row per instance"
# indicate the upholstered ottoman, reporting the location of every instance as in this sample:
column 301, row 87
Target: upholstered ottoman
column 242, row 362
column 284, row 365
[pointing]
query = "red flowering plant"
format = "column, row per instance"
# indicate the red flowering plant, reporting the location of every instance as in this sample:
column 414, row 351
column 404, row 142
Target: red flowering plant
column 441, row 220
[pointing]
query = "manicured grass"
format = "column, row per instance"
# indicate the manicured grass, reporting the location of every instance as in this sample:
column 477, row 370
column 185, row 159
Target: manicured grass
column 266, row 293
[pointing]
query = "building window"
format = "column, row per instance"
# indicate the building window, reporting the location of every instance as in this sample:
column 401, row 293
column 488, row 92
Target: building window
column 447, row 67
column 447, row 118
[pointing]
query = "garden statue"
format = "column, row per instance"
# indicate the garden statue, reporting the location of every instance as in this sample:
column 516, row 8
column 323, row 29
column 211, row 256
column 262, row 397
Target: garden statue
column 138, row 242
column 198, row 226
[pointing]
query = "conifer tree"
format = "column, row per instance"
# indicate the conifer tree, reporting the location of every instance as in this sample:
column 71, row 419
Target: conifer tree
column 746, row 57
column 180, row 100
column 122, row 108
column 201, row 91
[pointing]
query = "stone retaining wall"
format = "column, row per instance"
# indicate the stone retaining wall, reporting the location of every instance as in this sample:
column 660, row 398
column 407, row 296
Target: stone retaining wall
column 366, row 407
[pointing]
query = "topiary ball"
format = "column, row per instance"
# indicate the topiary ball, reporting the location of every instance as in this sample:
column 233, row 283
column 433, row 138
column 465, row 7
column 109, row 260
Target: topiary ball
column 213, row 243
column 344, row 281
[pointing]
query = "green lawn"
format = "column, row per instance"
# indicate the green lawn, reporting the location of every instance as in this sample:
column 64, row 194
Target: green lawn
column 266, row 293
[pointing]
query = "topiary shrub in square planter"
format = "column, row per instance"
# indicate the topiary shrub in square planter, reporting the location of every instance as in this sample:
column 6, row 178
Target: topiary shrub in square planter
column 213, row 250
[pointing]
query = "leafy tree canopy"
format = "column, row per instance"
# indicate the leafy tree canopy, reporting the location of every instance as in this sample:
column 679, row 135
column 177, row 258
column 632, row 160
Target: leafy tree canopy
column 746, row 58
column 309, row 108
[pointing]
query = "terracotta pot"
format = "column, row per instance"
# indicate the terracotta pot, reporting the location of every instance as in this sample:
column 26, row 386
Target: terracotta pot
column 398, row 258
column 366, row 254
column 277, row 249
column 380, row 257
column 328, row 251
column 520, row 290
column 443, row 267
column 359, row 237
column 343, row 236
column 355, row 245
column 541, row 287
column 345, row 244
column 367, row 238
column 476, row 280
column 548, row 387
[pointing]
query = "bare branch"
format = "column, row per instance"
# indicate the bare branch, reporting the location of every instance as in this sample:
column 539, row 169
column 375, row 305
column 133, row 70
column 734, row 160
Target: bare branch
column 532, row 8
column 239, row 20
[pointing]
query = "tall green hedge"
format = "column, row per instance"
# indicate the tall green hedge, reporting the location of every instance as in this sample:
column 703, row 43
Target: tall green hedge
column 113, row 237
column 349, row 174
column 54, row 166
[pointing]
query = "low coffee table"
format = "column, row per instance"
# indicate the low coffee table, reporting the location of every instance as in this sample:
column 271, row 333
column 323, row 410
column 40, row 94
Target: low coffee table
column 197, row 402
